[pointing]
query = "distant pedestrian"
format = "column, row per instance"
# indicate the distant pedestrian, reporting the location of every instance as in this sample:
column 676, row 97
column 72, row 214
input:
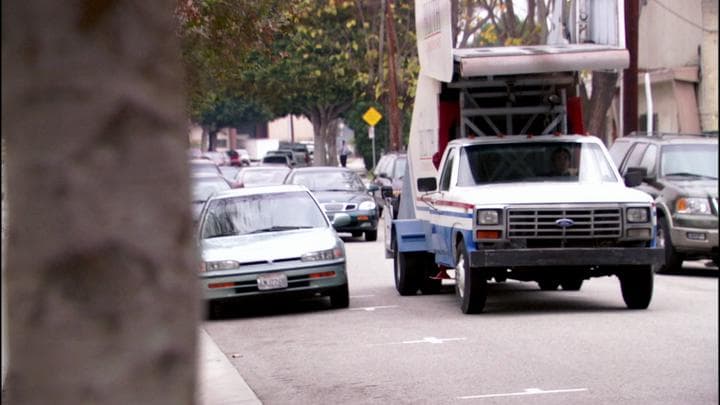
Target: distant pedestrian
column 344, row 152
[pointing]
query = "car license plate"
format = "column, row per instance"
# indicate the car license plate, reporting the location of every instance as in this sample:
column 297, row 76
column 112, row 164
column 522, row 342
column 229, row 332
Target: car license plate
column 272, row 281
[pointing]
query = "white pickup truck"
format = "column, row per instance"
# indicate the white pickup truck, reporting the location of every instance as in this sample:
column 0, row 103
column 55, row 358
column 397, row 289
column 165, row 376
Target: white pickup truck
column 497, row 189
column 551, row 209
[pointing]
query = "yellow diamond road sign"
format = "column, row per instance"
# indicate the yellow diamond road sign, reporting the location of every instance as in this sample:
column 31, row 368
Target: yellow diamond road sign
column 372, row 116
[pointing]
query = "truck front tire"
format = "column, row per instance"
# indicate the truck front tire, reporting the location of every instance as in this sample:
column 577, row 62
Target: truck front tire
column 636, row 285
column 470, row 284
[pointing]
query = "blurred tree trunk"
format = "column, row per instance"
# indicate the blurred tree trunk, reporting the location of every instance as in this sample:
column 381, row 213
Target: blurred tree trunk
column 603, row 90
column 101, row 284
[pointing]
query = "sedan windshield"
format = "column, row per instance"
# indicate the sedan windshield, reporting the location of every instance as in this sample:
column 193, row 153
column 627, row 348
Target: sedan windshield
column 689, row 160
column 261, row 213
column 328, row 180
column 544, row 161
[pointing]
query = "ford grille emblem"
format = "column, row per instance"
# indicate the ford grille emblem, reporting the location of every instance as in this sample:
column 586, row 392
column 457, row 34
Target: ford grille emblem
column 564, row 222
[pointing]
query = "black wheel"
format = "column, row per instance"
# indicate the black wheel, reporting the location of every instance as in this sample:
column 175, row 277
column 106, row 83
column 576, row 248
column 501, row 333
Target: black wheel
column 470, row 284
column 548, row 285
column 636, row 285
column 673, row 260
column 371, row 236
column 407, row 276
column 340, row 298
column 212, row 310
column 573, row 284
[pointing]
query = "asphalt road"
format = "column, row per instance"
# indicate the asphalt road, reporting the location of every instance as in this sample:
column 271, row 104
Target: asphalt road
column 529, row 347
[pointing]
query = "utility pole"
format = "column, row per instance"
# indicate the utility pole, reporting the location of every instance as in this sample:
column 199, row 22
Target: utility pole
column 394, row 112
column 630, row 75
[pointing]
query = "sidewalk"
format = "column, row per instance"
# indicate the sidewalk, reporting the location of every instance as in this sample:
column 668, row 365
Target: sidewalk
column 219, row 382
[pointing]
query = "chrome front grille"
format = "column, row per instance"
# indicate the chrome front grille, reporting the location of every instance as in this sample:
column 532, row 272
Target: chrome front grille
column 334, row 207
column 565, row 223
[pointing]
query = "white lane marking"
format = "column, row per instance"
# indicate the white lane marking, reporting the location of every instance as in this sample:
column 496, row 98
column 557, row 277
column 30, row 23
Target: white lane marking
column 362, row 296
column 370, row 309
column 432, row 340
column 528, row 391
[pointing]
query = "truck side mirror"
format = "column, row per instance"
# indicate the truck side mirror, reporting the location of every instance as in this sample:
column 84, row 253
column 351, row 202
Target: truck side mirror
column 426, row 184
column 634, row 176
column 387, row 191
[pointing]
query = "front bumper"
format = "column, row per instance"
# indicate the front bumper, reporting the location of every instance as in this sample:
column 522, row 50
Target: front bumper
column 631, row 256
column 694, row 240
column 299, row 281
column 359, row 221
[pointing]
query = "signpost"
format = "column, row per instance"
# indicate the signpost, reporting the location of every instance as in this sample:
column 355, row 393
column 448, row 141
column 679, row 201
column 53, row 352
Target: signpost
column 372, row 117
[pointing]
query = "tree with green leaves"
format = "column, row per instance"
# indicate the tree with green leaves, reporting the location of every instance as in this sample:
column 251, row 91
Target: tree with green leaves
column 217, row 39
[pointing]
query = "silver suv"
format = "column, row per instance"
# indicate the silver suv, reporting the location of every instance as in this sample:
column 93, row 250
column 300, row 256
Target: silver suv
column 681, row 172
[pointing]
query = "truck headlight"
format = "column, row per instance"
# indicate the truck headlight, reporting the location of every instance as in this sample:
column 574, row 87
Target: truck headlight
column 220, row 265
column 367, row 205
column 692, row 206
column 488, row 217
column 638, row 215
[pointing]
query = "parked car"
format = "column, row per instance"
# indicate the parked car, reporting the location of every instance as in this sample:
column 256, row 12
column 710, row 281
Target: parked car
column 262, row 175
column 388, row 176
column 229, row 173
column 238, row 157
column 300, row 152
column 277, row 159
column 283, row 152
column 341, row 191
column 252, row 244
column 203, row 186
column 204, row 166
column 681, row 173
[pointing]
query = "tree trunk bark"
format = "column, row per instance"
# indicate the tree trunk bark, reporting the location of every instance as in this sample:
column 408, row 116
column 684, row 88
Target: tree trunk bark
column 101, row 285
column 395, row 123
column 603, row 90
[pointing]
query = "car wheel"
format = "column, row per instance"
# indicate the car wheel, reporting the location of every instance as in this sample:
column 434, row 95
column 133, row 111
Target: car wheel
column 340, row 298
column 636, row 285
column 572, row 284
column 548, row 285
column 407, row 280
column 212, row 310
column 673, row 260
column 470, row 284
column 371, row 236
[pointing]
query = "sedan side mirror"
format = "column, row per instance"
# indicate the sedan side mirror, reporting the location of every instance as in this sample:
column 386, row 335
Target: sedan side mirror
column 372, row 187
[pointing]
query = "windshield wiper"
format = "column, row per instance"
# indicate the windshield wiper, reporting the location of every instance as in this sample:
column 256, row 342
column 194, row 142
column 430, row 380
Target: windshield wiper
column 278, row 229
column 691, row 175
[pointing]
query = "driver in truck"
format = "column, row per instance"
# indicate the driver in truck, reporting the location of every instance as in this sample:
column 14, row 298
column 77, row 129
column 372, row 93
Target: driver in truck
column 560, row 159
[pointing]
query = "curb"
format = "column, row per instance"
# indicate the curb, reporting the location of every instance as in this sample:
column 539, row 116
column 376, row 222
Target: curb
column 219, row 382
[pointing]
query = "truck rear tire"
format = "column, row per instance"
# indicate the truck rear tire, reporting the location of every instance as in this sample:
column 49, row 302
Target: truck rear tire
column 636, row 285
column 470, row 284
column 407, row 273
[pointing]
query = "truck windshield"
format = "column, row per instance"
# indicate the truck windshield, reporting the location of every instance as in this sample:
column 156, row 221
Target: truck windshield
column 534, row 162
